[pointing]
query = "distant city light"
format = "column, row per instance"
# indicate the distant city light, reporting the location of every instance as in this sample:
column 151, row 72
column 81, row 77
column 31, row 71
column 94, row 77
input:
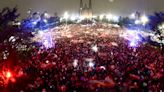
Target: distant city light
column 81, row 18
column 109, row 17
column 133, row 16
column 115, row 18
column 66, row 16
column 94, row 16
column 137, row 22
column 73, row 18
column 101, row 16
column 144, row 19
column 46, row 15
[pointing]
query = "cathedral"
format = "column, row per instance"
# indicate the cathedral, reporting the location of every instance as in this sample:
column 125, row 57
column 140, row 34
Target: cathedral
column 86, row 10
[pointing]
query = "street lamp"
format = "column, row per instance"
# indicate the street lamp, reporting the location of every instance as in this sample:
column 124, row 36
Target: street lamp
column 101, row 17
column 66, row 17
column 144, row 19
column 133, row 16
column 109, row 17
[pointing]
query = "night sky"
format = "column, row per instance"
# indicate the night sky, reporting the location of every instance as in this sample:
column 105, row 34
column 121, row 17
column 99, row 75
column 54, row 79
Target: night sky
column 117, row 7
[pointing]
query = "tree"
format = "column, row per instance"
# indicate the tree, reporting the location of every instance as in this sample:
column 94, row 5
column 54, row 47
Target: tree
column 7, row 16
column 156, row 20
column 157, row 25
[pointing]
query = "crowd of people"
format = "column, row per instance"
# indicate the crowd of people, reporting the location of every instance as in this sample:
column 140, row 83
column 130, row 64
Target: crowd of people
column 73, row 65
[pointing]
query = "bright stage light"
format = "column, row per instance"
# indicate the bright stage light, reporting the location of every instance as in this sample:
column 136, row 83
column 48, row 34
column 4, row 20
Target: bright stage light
column 133, row 43
column 133, row 37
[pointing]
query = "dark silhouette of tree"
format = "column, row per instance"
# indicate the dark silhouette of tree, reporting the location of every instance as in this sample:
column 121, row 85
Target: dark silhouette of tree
column 7, row 29
column 125, row 22
column 8, row 15
column 156, row 20
column 38, row 21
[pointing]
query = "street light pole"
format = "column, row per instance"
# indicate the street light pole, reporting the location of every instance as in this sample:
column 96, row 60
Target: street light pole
column 144, row 20
column 66, row 17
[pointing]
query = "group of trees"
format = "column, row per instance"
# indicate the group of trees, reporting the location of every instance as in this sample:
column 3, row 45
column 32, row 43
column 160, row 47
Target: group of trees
column 39, row 21
column 7, row 16
column 156, row 23
column 11, row 36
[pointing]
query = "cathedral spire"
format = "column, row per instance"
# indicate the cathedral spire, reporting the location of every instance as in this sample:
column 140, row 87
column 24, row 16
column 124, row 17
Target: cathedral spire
column 81, row 6
column 90, row 4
